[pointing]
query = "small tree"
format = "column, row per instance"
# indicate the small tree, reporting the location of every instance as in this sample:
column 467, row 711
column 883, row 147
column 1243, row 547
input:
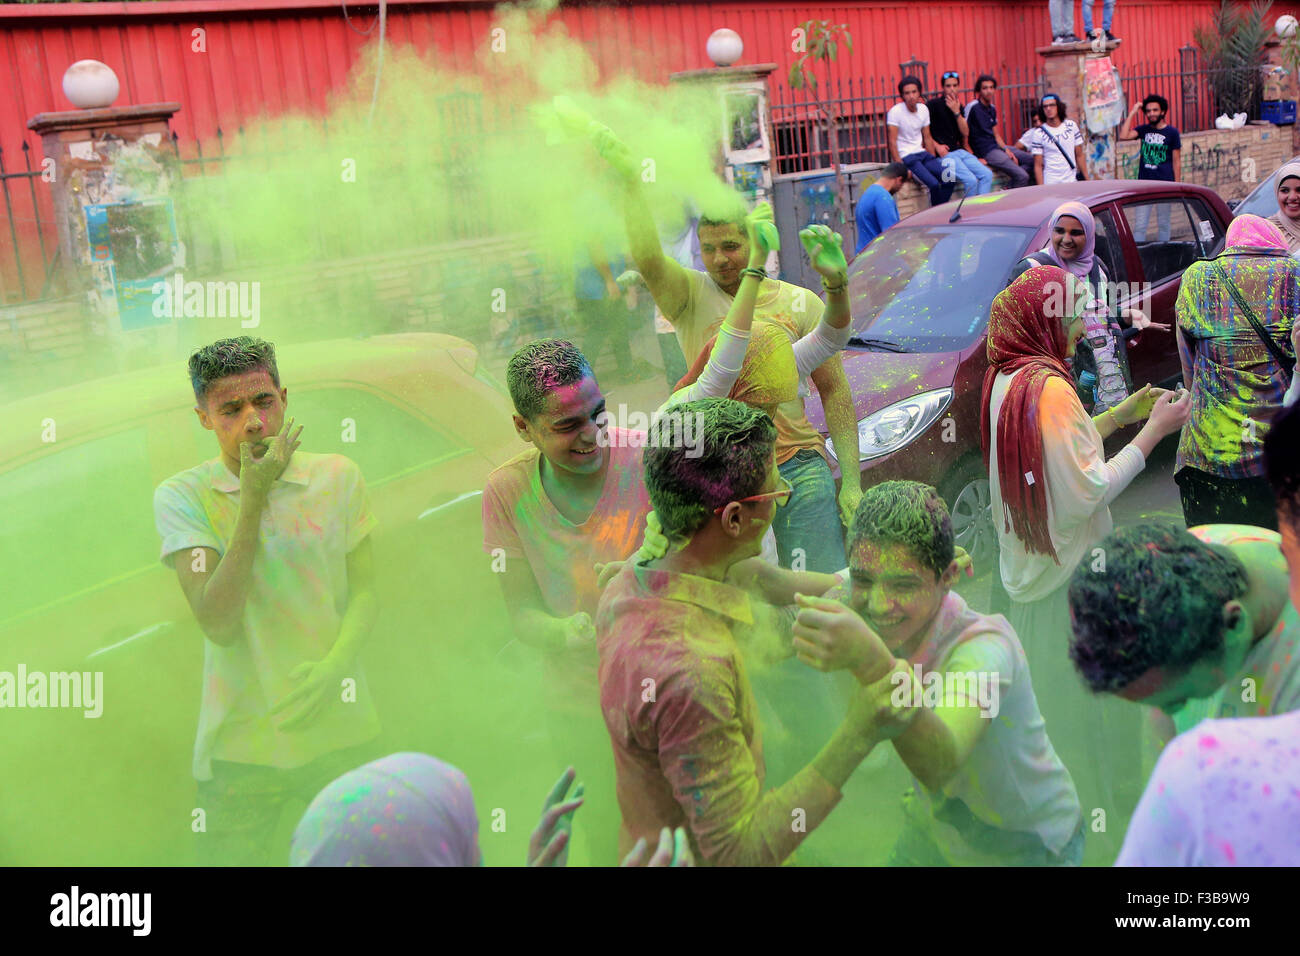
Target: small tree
column 1232, row 47
column 819, row 41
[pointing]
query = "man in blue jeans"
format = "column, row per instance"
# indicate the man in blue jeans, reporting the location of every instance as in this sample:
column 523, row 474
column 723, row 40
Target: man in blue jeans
column 908, row 129
column 987, row 143
column 948, row 129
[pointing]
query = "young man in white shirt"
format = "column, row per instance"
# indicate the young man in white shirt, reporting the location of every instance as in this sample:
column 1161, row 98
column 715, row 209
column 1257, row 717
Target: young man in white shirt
column 910, row 143
column 1058, row 145
column 271, row 547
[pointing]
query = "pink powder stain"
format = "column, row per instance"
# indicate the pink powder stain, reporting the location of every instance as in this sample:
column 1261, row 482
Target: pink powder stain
column 1228, row 852
column 377, row 829
column 1268, row 791
column 1208, row 742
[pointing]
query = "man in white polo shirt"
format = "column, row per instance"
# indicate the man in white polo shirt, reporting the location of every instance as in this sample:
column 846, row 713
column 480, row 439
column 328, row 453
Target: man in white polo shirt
column 272, row 551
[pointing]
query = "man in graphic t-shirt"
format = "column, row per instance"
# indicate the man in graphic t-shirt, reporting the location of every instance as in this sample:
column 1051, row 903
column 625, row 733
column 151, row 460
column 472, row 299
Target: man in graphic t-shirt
column 1160, row 157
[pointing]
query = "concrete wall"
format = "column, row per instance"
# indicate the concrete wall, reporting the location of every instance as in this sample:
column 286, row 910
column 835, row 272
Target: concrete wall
column 1231, row 162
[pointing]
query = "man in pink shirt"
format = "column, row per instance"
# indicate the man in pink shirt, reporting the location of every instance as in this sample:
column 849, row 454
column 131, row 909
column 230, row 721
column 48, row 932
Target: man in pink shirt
column 573, row 499
column 673, row 685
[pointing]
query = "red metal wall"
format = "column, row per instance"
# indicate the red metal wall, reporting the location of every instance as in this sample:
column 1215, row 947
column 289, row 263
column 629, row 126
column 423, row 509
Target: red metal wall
column 268, row 56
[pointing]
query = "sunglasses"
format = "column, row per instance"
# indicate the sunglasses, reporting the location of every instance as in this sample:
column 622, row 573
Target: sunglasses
column 951, row 76
column 780, row 497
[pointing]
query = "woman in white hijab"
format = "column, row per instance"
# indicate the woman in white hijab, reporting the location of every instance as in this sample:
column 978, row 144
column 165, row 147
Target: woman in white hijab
column 1287, row 217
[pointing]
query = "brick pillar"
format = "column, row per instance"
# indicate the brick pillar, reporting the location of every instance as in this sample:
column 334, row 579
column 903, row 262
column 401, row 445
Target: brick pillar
column 1064, row 70
column 114, row 172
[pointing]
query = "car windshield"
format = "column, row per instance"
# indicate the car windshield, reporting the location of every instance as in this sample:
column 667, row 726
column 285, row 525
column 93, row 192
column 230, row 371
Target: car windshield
column 929, row 288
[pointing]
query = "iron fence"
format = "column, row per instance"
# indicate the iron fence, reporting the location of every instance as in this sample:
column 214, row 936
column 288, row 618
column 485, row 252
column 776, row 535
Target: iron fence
column 806, row 139
column 29, row 266
column 1195, row 95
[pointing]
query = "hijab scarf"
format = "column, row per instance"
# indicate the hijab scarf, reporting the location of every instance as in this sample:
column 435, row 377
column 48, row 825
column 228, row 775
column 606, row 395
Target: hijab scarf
column 406, row 809
column 1024, row 334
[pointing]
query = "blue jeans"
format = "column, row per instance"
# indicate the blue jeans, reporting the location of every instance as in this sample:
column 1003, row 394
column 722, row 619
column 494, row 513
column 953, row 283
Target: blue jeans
column 1061, row 13
column 1142, row 220
column 1107, row 13
column 928, row 171
column 810, row 520
column 975, row 178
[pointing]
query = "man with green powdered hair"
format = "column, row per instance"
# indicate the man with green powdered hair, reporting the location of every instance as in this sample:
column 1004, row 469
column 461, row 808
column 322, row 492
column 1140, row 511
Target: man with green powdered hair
column 1174, row 616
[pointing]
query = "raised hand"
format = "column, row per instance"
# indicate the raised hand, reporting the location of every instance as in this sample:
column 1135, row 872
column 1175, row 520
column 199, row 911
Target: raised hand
column 825, row 251
column 763, row 237
column 549, row 843
column 613, row 150
column 257, row 475
column 829, row 636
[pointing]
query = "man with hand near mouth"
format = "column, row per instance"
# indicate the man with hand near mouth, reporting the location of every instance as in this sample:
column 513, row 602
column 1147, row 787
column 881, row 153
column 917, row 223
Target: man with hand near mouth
column 989, row 789
column 574, row 499
column 274, row 722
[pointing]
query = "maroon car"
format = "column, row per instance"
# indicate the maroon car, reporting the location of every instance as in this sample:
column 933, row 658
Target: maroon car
column 921, row 294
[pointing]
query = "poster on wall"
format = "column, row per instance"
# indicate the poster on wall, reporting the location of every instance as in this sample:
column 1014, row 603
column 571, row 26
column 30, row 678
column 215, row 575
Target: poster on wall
column 744, row 132
column 1103, row 97
column 135, row 245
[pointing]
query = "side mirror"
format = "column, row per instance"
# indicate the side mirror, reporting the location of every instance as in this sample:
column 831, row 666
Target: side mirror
column 1233, row 204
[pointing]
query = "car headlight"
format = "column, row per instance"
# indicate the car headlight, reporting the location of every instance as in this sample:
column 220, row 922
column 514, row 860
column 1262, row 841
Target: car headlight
column 898, row 425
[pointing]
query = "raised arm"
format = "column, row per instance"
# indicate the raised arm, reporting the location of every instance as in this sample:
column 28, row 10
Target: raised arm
column 826, row 253
column 665, row 278
column 1127, row 131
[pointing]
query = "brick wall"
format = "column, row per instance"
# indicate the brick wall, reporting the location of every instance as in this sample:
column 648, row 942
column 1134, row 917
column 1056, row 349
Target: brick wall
column 1230, row 161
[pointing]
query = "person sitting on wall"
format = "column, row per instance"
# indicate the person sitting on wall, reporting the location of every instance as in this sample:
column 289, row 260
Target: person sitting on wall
column 908, row 130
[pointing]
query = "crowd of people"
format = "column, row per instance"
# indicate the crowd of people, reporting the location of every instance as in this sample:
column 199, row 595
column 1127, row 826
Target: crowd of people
column 941, row 143
column 726, row 636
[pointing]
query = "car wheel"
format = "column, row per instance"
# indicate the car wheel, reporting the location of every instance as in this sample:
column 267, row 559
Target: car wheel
column 967, row 495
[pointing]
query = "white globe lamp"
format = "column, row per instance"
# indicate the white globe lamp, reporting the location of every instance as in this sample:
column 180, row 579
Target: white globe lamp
column 1286, row 26
column 89, row 84
column 724, row 47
